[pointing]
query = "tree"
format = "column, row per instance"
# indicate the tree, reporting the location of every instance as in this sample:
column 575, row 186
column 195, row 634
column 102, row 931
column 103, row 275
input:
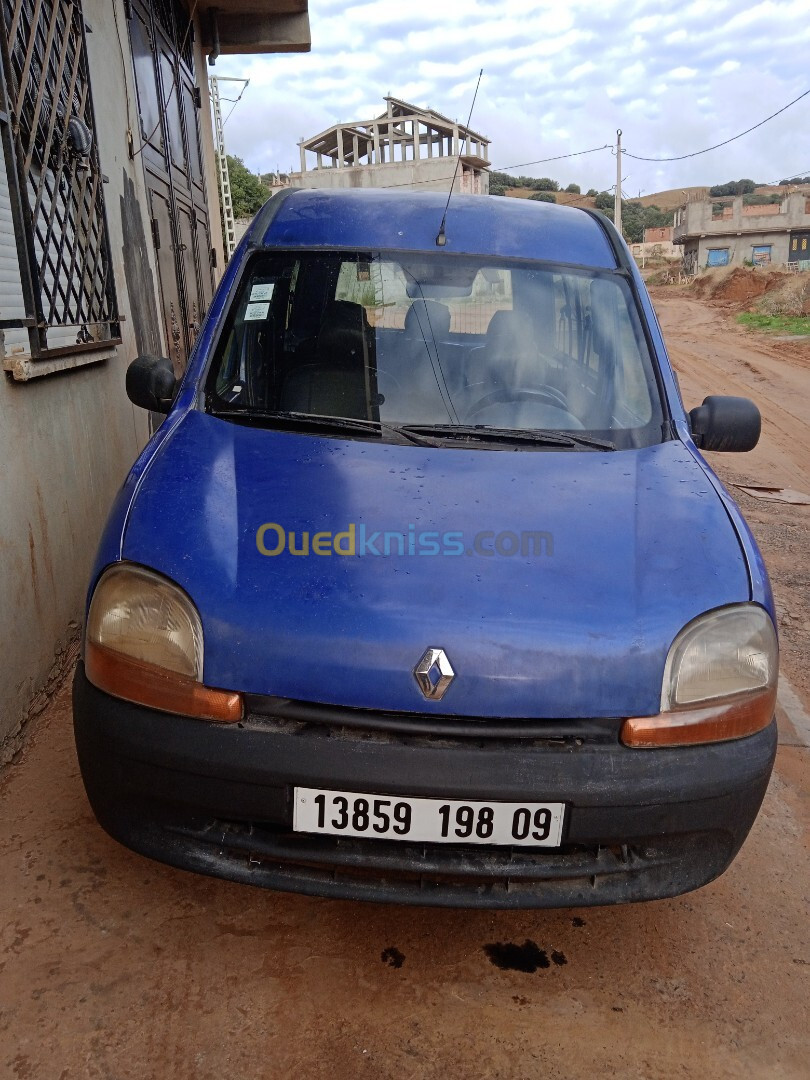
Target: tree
column 248, row 193
column 501, row 178
column 542, row 196
column 573, row 189
column 592, row 192
column 499, row 182
column 733, row 187
column 656, row 218
column 545, row 183
column 635, row 216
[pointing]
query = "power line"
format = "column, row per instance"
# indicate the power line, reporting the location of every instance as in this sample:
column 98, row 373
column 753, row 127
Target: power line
column 697, row 153
column 559, row 157
column 792, row 176
column 502, row 168
column 235, row 101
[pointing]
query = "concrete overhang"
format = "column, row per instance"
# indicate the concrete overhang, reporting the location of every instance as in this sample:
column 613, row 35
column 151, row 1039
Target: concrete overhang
column 476, row 161
column 254, row 26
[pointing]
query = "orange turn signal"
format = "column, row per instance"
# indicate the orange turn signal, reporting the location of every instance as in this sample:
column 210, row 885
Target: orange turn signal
column 157, row 688
column 719, row 722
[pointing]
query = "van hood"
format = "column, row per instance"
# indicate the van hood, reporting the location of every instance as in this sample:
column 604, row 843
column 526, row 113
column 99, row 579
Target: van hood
column 633, row 544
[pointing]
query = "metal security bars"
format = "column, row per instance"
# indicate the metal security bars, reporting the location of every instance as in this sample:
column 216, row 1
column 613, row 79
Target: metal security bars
column 54, row 180
column 178, row 27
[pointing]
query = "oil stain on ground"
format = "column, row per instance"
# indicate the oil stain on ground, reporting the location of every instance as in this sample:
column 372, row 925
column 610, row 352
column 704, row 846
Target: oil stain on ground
column 393, row 957
column 528, row 957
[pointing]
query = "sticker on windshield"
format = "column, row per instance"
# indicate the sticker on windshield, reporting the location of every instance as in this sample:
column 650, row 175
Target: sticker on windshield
column 256, row 311
column 262, row 292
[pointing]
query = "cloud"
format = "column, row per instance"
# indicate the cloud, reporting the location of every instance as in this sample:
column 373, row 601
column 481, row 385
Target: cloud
column 557, row 78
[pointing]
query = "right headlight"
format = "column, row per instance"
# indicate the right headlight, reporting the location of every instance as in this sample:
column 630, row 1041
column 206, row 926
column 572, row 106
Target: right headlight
column 719, row 681
column 144, row 644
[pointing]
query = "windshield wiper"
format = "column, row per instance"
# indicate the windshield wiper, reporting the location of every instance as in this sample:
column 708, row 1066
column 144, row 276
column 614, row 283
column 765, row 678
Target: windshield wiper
column 322, row 423
column 511, row 435
column 584, row 440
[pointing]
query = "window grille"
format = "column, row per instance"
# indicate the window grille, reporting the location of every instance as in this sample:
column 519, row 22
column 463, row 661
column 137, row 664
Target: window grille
column 55, row 179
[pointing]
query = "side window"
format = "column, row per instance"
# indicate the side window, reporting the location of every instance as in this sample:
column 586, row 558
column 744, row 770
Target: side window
column 380, row 286
column 249, row 359
column 617, row 340
column 596, row 341
column 491, row 292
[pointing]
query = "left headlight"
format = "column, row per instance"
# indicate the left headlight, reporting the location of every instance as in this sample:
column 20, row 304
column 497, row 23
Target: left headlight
column 719, row 681
column 144, row 643
column 729, row 651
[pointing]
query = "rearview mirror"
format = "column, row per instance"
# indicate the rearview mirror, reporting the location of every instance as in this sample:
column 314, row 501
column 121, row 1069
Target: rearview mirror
column 151, row 383
column 728, row 424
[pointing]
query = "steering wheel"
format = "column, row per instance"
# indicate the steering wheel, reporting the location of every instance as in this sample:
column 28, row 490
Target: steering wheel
column 549, row 395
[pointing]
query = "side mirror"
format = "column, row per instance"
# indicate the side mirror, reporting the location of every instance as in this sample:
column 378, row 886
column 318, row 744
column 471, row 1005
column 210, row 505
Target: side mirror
column 151, row 383
column 730, row 424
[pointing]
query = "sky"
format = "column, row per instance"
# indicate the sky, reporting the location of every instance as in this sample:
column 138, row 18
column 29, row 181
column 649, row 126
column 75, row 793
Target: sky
column 559, row 76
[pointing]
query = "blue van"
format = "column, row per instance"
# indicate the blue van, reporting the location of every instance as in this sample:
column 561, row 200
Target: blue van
column 422, row 592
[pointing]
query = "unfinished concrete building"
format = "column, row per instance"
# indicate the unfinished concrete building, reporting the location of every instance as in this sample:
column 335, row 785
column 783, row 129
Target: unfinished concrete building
column 405, row 146
column 727, row 232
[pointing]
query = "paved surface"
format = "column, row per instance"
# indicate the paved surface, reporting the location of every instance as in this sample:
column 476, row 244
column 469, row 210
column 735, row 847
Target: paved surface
column 113, row 967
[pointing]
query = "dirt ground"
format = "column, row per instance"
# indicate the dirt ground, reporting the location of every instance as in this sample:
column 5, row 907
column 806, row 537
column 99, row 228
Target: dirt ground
column 113, row 967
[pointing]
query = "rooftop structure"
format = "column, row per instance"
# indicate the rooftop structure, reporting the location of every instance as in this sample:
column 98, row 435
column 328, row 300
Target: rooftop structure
column 404, row 146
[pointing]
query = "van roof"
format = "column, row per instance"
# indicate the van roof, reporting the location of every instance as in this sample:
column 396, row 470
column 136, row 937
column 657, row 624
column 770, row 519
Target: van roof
column 380, row 219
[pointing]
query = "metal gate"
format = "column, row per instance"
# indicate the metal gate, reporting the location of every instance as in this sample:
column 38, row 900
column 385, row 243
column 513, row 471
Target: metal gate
column 168, row 106
column 55, row 191
column 799, row 249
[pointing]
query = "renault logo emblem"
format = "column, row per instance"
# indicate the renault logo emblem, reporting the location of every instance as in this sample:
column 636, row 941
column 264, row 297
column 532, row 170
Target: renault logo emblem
column 434, row 673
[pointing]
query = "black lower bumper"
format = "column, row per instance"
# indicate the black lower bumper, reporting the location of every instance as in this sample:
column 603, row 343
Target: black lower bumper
column 216, row 799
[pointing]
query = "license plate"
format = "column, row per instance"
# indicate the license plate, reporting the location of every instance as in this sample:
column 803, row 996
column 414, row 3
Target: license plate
column 438, row 821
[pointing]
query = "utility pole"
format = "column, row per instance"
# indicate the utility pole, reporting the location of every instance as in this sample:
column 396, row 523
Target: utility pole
column 617, row 199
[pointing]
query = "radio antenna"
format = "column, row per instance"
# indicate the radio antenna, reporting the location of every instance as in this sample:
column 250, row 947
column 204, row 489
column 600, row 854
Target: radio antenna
column 441, row 236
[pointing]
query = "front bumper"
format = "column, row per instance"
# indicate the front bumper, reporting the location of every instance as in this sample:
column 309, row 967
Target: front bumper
column 217, row 799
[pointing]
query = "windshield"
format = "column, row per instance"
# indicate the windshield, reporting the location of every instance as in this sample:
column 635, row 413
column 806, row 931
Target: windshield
column 444, row 341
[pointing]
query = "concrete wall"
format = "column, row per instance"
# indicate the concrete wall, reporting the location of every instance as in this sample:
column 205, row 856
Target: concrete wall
column 741, row 248
column 67, row 440
column 696, row 250
column 697, row 219
column 433, row 174
column 664, row 249
column 658, row 235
